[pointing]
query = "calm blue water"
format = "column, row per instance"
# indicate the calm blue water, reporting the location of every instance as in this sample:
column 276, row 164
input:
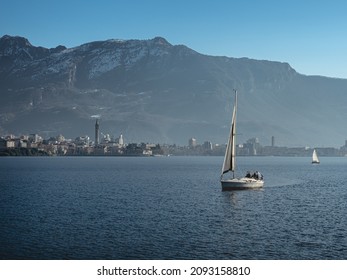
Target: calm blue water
column 170, row 208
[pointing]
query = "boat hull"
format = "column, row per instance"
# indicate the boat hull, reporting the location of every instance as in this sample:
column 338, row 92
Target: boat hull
column 241, row 184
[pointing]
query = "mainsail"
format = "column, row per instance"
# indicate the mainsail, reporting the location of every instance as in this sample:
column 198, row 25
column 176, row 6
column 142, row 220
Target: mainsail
column 229, row 159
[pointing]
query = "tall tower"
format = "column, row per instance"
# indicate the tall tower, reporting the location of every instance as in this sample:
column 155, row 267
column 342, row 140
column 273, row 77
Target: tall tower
column 273, row 141
column 97, row 141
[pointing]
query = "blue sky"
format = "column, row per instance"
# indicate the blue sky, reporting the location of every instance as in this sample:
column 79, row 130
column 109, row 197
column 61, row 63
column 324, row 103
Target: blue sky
column 311, row 35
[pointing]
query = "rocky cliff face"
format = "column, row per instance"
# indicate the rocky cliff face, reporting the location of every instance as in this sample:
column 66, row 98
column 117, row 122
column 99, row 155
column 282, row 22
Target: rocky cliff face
column 150, row 90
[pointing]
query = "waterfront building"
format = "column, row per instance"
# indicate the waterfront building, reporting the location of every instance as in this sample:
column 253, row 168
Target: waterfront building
column 192, row 143
column 207, row 146
column 82, row 141
column 60, row 138
column 252, row 146
column 35, row 138
column 106, row 138
column 7, row 143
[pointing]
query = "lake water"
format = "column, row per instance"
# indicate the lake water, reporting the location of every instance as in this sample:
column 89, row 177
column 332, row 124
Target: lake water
column 170, row 208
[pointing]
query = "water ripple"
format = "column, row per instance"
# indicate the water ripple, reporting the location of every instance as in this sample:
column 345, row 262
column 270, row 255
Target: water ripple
column 170, row 208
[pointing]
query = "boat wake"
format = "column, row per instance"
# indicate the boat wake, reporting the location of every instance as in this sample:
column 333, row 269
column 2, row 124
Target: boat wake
column 282, row 182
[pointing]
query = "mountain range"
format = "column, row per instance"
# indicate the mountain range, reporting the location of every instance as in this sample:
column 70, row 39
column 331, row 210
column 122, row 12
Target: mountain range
column 153, row 91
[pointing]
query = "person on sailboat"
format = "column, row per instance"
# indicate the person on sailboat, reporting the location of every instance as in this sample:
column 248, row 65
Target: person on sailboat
column 258, row 175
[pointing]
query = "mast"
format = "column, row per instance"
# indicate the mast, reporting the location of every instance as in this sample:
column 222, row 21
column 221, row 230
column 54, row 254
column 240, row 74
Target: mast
column 233, row 153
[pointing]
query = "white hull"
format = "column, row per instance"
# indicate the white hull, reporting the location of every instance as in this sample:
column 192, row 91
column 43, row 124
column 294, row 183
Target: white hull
column 241, row 184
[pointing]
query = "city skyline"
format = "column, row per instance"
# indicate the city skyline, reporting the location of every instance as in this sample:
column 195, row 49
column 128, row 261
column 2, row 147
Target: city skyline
column 190, row 142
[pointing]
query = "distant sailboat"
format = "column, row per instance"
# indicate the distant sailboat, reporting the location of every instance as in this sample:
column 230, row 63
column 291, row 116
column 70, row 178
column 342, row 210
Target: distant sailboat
column 315, row 159
column 251, row 181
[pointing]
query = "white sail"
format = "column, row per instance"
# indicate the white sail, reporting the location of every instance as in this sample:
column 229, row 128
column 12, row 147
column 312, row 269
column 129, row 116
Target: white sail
column 230, row 152
column 315, row 157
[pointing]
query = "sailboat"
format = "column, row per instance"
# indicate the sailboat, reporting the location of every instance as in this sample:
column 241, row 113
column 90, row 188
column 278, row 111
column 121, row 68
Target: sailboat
column 250, row 181
column 315, row 159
